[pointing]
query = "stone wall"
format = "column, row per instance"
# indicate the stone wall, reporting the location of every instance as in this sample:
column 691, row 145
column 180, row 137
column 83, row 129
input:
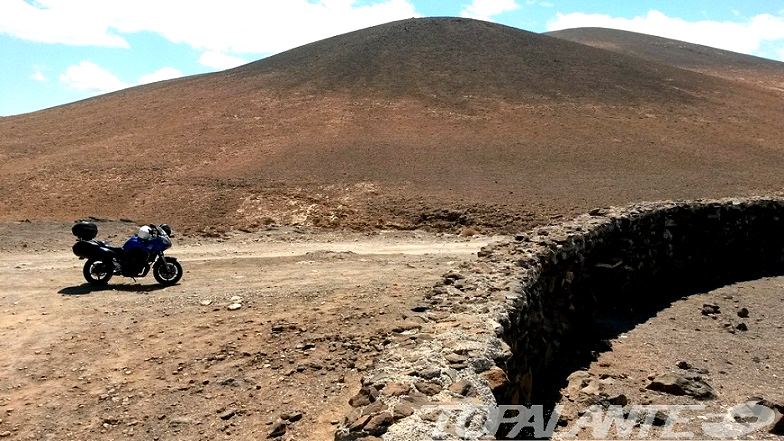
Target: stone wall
column 488, row 331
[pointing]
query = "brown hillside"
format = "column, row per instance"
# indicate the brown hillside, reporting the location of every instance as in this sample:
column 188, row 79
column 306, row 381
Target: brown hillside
column 712, row 61
column 409, row 123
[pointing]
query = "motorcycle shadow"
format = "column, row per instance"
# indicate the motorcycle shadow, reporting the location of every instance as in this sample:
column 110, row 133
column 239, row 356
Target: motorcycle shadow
column 86, row 288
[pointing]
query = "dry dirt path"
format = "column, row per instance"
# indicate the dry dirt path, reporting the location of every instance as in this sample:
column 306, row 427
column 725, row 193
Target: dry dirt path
column 135, row 361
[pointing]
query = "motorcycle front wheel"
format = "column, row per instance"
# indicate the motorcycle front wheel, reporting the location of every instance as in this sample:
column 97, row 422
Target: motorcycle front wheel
column 167, row 273
column 98, row 272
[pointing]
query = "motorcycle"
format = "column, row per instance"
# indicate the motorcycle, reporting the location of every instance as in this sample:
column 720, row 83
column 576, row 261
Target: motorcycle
column 135, row 258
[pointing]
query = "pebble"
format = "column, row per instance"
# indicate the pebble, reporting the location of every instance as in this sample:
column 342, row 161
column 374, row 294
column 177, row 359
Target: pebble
column 5, row 434
column 278, row 429
column 228, row 413
column 743, row 312
column 234, row 307
column 291, row 417
column 205, row 302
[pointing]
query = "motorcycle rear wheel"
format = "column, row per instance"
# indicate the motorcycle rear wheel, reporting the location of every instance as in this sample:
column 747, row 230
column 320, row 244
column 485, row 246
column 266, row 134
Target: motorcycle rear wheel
column 167, row 273
column 98, row 272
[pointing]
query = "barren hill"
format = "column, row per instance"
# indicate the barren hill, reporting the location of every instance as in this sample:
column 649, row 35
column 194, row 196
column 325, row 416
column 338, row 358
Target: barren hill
column 438, row 121
column 699, row 58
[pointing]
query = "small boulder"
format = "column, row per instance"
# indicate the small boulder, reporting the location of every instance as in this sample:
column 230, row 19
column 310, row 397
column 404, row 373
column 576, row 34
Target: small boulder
column 673, row 384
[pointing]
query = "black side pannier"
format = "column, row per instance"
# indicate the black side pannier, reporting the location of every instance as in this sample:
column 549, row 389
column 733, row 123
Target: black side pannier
column 89, row 249
column 85, row 230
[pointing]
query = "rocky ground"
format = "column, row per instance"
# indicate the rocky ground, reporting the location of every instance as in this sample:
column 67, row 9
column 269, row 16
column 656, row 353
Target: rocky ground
column 715, row 350
column 271, row 335
column 266, row 335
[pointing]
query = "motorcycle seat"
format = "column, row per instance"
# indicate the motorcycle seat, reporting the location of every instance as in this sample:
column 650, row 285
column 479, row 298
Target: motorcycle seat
column 118, row 250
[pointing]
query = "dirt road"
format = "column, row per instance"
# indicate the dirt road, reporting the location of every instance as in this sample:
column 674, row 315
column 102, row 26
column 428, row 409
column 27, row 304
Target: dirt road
column 137, row 361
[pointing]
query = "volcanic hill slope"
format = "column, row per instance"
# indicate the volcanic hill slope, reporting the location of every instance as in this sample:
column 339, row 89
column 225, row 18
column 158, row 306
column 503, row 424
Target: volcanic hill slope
column 419, row 122
column 716, row 62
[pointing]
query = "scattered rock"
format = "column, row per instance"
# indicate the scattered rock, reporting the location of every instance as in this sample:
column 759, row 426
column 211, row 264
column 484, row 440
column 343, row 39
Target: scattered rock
column 359, row 423
column 278, row 429
column 395, row 389
column 5, row 434
column 416, row 399
column 673, row 384
column 377, row 407
column 454, row 358
column 743, row 312
column 427, row 388
column 234, row 306
column 406, row 326
column 205, row 302
column 379, row 424
column 227, row 414
column 180, row 421
column 683, row 365
column 364, row 397
column 461, row 387
column 468, row 232
column 618, row 400
column 778, row 428
column 496, row 377
column 710, row 309
column 742, row 327
column 402, row 410
column 429, row 373
column 291, row 417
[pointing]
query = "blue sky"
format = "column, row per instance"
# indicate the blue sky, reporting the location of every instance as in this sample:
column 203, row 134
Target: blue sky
column 58, row 51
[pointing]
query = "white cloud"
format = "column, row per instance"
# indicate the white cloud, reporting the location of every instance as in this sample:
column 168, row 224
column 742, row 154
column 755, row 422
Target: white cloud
column 37, row 75
column 219, row 60
column 234, row 26
column 745, row 37
column 89, row 77
column 55, row 22
column 485, row 9
column 167, row 73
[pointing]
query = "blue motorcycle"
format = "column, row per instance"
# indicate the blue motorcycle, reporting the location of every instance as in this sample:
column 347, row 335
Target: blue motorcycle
column 135, row 258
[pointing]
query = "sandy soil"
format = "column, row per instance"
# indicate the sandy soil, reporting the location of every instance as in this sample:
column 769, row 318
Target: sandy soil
column 137, row 361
